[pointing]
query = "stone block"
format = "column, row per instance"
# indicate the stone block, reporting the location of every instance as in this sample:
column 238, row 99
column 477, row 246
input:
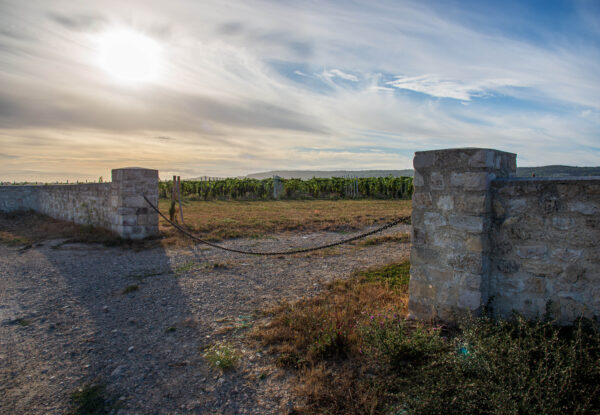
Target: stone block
column 542, row 269
column 470, row 181
column 434, row 219
column 566, row 254
column 418, row 179
column 425, row 255
column 468, row 280
column 563, row 223
column 472, row 263
column 484, row 159
column 507, row 266
column 445, row 203
column 421, row 200
column 470, row 299
column 476, row 244
column 532, row 251
column 467, row 223
column 424, row 159
column 421, row 289
column 134, row 201
column 436, row 181
column 474, row 204
column 498, row 209
column 585, row 208
column 418, row 236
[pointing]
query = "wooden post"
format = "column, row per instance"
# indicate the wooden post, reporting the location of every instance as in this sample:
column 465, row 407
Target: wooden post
column 179, row 194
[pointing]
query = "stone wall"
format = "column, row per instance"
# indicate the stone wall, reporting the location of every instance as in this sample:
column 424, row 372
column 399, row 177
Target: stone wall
column 481, row 238
column 118, row 206
column 546, row 247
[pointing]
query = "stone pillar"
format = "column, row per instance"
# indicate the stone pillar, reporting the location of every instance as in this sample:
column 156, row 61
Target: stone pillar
column 133, row 218
column 451, row 220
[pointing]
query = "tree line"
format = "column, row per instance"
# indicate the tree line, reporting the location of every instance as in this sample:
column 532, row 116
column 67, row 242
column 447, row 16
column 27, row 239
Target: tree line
column 315, row 188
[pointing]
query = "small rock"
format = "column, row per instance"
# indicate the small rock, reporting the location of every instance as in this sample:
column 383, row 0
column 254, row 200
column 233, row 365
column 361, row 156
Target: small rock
column 118, row 370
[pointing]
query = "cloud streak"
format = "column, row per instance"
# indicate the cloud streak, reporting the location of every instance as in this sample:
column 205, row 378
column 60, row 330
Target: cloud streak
column 244, row 88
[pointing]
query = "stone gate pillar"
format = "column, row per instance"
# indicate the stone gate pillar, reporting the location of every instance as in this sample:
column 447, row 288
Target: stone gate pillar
column 133, row 218
column 450, row 229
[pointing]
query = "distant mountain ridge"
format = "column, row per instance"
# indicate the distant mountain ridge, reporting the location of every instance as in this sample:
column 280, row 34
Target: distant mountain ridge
column 558, row 171
column 309, row 174
column 542, row 171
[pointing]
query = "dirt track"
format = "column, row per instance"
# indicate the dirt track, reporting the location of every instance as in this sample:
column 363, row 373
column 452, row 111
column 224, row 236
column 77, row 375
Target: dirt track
column 64, row 322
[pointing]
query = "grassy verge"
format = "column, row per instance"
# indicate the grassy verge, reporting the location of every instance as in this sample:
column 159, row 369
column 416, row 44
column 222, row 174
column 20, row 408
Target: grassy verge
column 355, row 353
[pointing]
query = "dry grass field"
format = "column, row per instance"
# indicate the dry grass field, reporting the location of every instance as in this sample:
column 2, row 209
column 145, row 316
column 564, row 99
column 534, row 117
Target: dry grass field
column 218, row 220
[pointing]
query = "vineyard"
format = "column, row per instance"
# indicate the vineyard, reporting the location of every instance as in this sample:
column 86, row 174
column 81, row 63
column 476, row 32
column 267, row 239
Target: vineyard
column 315, row 188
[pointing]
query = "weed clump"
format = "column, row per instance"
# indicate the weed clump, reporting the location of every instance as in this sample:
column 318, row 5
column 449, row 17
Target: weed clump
column 222, row 356
column 90, row 400
column 130, row 288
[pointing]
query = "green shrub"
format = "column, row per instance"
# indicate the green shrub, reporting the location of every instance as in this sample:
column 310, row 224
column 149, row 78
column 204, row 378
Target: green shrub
column 389, row 340
column 511, row 367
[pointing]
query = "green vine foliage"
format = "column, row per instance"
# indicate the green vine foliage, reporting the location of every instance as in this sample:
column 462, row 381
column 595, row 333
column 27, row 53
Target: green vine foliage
column 315, row 188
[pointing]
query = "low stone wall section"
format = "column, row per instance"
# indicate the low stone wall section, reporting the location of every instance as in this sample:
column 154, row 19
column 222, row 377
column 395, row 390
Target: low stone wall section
column 546, row 247
column 483, row 238
column 118, row 206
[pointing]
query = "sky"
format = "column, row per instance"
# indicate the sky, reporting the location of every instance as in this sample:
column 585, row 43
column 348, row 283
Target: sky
column 227, row 88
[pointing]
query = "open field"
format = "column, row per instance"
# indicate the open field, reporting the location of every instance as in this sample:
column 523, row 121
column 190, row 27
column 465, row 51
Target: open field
column 217, row 220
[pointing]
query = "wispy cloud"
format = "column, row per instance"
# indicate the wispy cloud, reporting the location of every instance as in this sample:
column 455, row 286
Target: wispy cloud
column 437, row 86
column 332, row 73
column 354, row 78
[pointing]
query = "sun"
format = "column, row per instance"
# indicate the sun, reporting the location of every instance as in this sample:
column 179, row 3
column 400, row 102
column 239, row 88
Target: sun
column 129, row 56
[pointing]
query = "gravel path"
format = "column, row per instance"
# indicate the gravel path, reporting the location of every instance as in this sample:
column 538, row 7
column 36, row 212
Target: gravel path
column 65, row 322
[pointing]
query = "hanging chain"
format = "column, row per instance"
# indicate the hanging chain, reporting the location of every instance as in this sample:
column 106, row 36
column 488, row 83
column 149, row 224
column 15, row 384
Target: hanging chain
column 291, row 252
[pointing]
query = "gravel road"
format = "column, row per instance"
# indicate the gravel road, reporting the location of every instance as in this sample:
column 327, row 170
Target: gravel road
column 65, row 322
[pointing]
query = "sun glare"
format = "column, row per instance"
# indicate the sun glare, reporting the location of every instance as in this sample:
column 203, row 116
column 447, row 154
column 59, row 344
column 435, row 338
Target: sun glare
column 129, row 56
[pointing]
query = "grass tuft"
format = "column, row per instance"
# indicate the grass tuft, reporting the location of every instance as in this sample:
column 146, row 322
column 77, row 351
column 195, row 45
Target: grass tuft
column 130, row 288
column 185, row 268
column 396, row 274
column 90, row 400
column 222, row 355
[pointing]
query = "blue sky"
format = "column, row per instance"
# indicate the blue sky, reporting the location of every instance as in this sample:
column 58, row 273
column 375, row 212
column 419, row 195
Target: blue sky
column 246, row 86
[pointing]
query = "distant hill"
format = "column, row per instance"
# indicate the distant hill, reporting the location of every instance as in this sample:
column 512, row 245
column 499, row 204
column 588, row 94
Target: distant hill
column 543, row 171
column 557, row 171
column 309, row 174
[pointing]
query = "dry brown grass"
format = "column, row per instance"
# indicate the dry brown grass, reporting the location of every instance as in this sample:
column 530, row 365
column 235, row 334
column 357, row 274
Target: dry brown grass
column 218, row 220
column 323, row 339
